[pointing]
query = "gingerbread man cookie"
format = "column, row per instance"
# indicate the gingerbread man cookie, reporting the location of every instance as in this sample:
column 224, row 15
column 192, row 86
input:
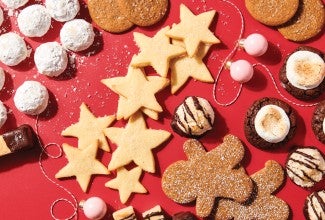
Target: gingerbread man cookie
column 265, row 205
column 208, row 175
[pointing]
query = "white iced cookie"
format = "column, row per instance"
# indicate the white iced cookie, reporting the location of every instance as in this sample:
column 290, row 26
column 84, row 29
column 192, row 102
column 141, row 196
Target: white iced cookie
column 272, row 123
column 2, row 78
column 77, row 35
column 3, row 114
column 13, row 49
column 305, row 69
column 51, row 59
column 1, row 16
column 34, row 21
column 31, row 98
column 14, row 4
column 62, row 10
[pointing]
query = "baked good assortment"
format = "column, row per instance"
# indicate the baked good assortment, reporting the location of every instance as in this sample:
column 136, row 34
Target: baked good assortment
column 135, row 137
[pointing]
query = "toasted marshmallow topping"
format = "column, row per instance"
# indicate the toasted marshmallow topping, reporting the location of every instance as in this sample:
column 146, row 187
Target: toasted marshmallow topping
column 272, row 123
column 305, row 69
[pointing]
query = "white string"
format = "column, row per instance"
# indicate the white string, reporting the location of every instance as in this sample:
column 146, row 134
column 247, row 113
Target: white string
column 73, row 203
column 231, row 54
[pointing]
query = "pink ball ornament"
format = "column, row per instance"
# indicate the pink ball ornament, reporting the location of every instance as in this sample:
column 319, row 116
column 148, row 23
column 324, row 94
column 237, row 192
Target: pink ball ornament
column 255, row 44
column 94, row 208
column 241, row 70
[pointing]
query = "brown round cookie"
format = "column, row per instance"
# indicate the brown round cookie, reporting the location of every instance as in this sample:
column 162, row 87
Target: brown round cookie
column 307, row 23
column 272, row 13
column 249, row 123
column 314, row 206
column 317, row 122
column 301, row 94
column 106, row 14
column 143, row 12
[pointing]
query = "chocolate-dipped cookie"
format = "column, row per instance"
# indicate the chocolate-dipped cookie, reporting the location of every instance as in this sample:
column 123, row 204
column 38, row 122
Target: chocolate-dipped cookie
column 305, row 166
column 193, row 118
column 303, row 72
column 314, row 208
column 318, row 122
column 269, row 123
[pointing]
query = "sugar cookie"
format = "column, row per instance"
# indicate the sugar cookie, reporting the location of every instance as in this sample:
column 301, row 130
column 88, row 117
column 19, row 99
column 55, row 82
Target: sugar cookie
column 62, row 10
column 77, row 35
column 14, row 4
column 31, row 98
column 303, row 73
column 269, row 123
column 318, row 122
column 143, row 12
column 272, row 13
column 34, row 21
column 107, row 15
column 314, row 208
column 193, row 117
column 307, row 23
column 13, row 49
column 208, row 175
column 50, row 59
column 306, row 166
column 264, row 204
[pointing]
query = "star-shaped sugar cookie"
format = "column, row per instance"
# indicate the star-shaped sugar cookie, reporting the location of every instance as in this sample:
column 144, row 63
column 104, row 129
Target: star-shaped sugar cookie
column 193, row 29
column 127, row 182
column 156, row 51
column 82, row 164
column 89, row 129
column 137, row 90
column 183, row 68
column 134, row 143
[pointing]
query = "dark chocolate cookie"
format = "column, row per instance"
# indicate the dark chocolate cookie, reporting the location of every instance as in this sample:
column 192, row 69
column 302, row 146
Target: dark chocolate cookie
column 314, row 208
column 317, row 122
column 249, row 125
column 302, row 94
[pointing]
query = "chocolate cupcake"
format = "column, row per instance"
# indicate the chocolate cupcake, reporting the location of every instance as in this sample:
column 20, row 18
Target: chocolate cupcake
column 193, row 118
column 303, row 72
column 269, row 123
column 305, row 166
column 318, row 122
column 314, row 208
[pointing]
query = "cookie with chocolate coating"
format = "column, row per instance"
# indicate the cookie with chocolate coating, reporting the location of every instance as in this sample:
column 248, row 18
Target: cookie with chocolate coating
column 318, row 122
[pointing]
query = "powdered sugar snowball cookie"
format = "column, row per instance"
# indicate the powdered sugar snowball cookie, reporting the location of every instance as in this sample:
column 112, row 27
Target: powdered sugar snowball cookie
column 2, row 78
column 31, row 98
column 34, row 21
column 14, row 4
column 77, row 35
column 62, row 10
column 1, row 16
column 51, row 59
column 13, row 49
column 3, row 114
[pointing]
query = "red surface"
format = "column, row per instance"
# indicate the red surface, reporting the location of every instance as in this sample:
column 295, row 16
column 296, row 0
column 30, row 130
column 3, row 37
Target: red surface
column 24, row 191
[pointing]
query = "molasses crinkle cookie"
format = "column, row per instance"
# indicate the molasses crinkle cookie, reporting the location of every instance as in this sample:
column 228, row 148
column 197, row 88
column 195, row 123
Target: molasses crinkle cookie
column 303, row 72
column 269, row 123
column 193, row 118
column 306, row 166
column 318, row 122
column 314, row 208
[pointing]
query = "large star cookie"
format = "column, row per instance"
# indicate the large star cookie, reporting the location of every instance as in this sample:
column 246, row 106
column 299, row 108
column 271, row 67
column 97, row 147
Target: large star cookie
column 183, row 68
column 193, row 29
column 136, row 91
column 134, row 143
column 82, row 164
column 156, row 51
column 127, row 182
column 89, row 129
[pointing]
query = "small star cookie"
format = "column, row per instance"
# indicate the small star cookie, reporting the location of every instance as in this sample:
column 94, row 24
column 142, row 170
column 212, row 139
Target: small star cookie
column 185, row 67
column 156, row 51
column 134, row 143
column 127, row 182
column 193, row 29
column 137, row 91
column 89, row 129
column 82, row 164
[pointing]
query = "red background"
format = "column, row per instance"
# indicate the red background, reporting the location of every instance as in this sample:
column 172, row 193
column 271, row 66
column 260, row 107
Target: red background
column 25, row 193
